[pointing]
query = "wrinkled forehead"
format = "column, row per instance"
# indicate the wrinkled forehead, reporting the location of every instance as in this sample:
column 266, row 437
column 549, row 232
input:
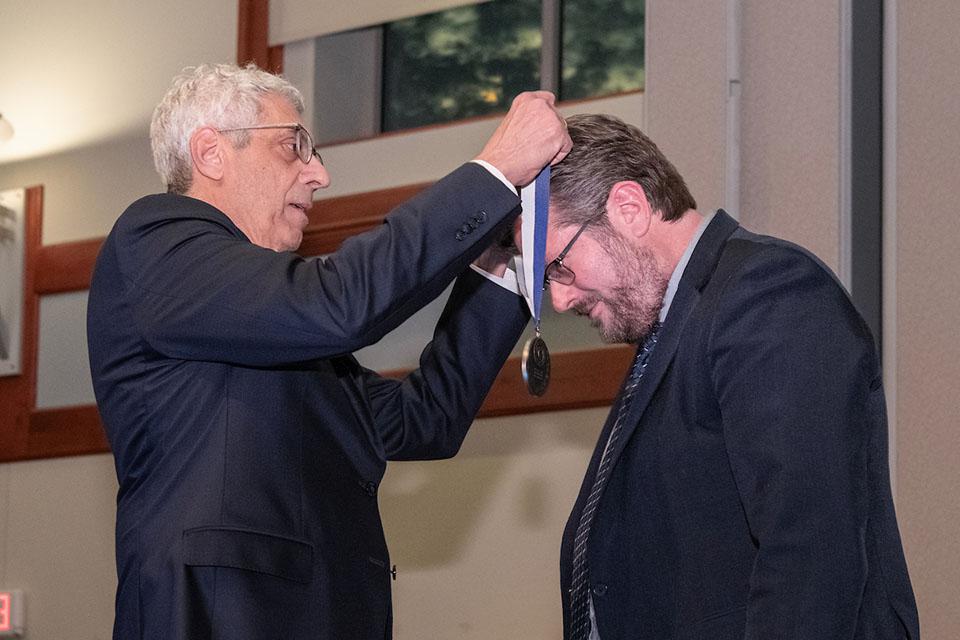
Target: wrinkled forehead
column 276, row 109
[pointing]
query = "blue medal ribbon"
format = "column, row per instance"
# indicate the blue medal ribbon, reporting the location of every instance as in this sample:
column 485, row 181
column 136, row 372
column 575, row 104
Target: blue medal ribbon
column 535, row 363
column 541, row 215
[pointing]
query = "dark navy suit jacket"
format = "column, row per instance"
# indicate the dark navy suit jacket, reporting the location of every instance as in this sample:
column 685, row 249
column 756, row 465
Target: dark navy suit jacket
column 249, row 443
column 750, row 495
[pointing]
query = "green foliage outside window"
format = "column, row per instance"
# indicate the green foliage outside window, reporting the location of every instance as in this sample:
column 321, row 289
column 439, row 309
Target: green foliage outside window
column 473, row 60
column 459, row 63
column 602, row 50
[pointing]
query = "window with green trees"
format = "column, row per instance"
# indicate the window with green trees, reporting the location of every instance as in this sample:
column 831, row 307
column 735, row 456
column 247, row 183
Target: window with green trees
column 473, row 60
column 602, row 48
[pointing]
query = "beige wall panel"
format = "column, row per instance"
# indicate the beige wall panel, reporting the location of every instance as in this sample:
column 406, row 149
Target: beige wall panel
column 63, row 371
column 86, row 189
column 790, row 154
column 476, row 539
column 928, row 306
column 56, row 530
column 4, row 522
column 686, row 91
column 428, row 154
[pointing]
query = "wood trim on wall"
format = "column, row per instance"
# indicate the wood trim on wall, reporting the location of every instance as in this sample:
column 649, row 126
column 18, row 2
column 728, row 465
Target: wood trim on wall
column 70, row 431
column 252, row 32
column 569, row 387
column 333, row 220
column 65, row 431
column 66, row 267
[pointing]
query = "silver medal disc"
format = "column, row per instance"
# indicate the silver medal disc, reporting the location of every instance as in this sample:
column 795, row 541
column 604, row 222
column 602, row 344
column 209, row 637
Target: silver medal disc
column 535, row 366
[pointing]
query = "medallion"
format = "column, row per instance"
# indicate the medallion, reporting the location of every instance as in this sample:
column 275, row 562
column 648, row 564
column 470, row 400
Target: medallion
column 535, row 365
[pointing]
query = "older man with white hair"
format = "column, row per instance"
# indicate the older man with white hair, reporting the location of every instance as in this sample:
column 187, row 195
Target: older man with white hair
column 249, row 443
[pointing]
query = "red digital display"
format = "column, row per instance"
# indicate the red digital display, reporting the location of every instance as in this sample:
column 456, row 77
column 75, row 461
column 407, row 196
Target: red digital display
column 5, row 615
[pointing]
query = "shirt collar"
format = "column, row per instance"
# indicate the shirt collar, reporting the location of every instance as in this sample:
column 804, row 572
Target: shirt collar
column 681, row 265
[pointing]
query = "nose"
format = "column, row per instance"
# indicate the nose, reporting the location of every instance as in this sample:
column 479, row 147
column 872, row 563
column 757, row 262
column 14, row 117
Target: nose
column 561, row 297
column 315, row 174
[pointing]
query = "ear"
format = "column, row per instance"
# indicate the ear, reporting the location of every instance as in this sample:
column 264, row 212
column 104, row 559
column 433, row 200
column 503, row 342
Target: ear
column 628, row 209
column 207, row 152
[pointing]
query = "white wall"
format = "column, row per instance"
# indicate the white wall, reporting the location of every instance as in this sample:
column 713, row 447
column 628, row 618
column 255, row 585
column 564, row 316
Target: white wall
column 926, row 246
column 56, row 543
column 791, row 123
column 476, row 539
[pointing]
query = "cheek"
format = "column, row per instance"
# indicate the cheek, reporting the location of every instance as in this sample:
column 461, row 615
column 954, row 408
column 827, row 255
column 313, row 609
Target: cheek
column 595, row 277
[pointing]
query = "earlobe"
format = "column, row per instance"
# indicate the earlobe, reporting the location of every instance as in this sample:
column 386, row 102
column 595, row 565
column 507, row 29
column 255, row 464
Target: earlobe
column 206, row 151
column 517, row 232
column 628, row 209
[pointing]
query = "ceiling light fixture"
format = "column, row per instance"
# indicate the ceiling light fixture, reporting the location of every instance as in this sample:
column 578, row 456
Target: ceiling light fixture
column 6, row 130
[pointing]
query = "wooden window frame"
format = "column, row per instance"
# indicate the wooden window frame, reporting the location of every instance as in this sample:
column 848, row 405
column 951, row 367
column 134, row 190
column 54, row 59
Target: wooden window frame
column 27, row 432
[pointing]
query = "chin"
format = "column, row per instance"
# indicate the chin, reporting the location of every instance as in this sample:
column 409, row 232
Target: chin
column 622, row 331
column 291, row 242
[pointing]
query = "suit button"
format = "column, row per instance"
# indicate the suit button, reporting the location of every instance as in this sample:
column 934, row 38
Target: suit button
column 466, row 228
column 481, row 217
column 600, row 590
column 459, row 235
column 369, row 487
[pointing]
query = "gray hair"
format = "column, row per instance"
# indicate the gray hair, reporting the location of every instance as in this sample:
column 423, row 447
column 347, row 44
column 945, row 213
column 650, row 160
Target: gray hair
column 606, row 150
column 223, row 96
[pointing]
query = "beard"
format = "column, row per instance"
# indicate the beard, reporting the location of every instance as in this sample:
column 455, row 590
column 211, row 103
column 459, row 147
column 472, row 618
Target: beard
column 633, row 306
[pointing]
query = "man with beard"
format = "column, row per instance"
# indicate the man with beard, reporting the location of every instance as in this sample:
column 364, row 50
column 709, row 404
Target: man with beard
column 740, row 487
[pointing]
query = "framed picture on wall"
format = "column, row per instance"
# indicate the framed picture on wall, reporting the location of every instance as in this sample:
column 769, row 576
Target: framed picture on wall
column 12, row 205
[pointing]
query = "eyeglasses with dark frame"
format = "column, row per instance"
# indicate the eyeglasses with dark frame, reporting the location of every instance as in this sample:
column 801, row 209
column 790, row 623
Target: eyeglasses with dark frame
column 303, row 143
column 555, row 271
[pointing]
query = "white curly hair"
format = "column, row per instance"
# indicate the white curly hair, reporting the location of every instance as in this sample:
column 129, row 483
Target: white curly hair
column 222, row 96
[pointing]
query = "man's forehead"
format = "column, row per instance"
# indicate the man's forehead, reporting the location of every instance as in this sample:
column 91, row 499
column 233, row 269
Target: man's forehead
column 275, row 108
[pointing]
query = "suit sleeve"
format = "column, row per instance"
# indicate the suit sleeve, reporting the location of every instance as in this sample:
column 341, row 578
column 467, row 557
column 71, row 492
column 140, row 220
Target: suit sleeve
column 201, row 292
column 793, row 367
column 427, row 414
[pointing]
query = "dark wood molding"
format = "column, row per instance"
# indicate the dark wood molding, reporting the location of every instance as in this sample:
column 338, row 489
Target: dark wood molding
column 65, row 431
column 68, row 431
column 333, row 220
column 31, row 313
column 253, row 33
column 570, row 387
column 66, row 267
column 275, row 59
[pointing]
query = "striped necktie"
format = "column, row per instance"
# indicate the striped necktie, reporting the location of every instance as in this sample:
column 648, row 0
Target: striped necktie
column 579, row 591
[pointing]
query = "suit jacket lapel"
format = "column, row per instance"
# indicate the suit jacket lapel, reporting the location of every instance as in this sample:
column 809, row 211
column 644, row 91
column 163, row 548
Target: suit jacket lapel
column 697, row 273
column 699, row 269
